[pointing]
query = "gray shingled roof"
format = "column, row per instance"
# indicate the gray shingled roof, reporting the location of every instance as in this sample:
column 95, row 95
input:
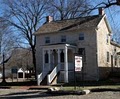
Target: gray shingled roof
column 70, row 24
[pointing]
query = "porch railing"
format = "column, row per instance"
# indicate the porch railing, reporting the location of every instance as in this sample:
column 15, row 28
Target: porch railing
column 52, row 75
column 41, row 76
column 54, row 72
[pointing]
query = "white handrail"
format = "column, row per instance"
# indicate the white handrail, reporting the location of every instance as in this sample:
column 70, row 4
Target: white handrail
column 41, row 76
column 53, row 74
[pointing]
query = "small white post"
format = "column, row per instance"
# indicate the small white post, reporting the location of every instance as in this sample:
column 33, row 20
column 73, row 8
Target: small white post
column 58, row 58
column 48, row 80
column 38, row 80
column 66, row 64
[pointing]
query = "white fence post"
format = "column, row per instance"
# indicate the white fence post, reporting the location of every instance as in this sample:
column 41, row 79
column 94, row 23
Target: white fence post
column 48, row 80
column 38, row 80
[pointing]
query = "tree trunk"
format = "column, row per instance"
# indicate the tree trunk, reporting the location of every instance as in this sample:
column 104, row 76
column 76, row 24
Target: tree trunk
column 3, row 78
column 34, row 60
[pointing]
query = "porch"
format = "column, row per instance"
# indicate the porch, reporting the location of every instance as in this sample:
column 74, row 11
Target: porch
column 57, row 58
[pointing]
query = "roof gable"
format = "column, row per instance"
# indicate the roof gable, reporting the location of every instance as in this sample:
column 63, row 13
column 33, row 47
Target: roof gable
column 107, row 23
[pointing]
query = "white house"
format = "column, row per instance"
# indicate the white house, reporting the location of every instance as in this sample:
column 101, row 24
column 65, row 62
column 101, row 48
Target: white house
column 58, row 41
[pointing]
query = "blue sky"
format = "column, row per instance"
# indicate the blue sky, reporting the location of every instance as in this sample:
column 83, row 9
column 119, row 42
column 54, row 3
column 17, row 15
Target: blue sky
column 113, row 15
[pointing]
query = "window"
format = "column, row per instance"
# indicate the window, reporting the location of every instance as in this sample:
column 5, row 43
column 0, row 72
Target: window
column 81, row 36
column 62, row 56
column 46, row 58
column 81, row 51
column 114, row 49
column 63, row 38
column 108, row 56
column 47, row 40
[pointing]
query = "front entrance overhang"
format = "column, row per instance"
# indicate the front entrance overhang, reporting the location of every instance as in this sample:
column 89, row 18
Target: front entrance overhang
column 53, row 53
column 58, row 45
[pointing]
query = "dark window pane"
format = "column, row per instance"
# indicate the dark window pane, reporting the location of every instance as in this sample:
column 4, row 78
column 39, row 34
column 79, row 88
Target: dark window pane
column 107, row 56
column 63, row 38
column 46, row 58
column 62, row 56
column 81, row 36
column 47, row 39
column 81, row 52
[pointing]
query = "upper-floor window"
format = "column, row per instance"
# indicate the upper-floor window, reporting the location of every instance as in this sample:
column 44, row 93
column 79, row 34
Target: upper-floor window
column 81, row 36
column 63, row 38
column 47, row 40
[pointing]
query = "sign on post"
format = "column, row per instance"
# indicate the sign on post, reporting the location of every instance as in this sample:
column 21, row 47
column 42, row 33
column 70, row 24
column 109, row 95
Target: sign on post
column 78, row 63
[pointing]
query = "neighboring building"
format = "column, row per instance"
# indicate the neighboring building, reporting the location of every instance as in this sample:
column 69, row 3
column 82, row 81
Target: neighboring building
column 20, row 58
column 115, row 57
column 58, row 41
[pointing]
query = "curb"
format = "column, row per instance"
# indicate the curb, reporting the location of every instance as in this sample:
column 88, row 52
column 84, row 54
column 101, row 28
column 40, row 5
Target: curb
column 63, row 92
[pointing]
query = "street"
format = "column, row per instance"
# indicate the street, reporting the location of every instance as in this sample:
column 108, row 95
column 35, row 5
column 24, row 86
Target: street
column 40, row 94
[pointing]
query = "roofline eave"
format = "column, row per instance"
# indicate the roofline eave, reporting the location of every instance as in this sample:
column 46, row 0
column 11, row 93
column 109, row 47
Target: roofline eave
column 107, row 24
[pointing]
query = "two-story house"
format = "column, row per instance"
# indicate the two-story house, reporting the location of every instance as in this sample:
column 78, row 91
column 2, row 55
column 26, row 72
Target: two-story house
column 58, row 41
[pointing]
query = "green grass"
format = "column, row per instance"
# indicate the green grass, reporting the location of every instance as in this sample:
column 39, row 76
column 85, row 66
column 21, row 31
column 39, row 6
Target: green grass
column 104, row 84
column 71, row 88
column 79, row 88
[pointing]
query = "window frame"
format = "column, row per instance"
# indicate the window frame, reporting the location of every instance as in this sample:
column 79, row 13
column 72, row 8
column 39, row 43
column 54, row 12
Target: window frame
column 63, row 38
column 47, row 40
column 81, row 36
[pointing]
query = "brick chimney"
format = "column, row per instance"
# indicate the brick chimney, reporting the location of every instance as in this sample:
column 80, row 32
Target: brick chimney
column 49, row 19
column 101, row 11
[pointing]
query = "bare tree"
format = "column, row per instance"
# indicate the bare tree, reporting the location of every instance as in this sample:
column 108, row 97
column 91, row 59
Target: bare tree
column 26, row 15
column 22, row 58
column 106, row 4
column 66, row 9
column 6, row 44
column 7, row 38
column 110, row 3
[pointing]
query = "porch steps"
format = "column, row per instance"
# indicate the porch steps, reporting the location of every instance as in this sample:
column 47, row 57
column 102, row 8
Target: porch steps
column 44, row 81
column 54, row 81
